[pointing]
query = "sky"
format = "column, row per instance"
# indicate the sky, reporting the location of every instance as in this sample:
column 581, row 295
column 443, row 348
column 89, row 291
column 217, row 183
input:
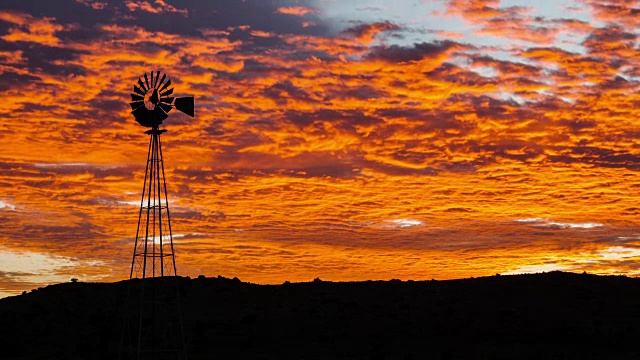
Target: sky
column 345, row 140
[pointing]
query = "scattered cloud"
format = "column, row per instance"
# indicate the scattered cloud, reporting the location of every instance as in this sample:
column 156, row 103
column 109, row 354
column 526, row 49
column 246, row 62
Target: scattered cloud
column 26, row 269
column 94, row 4
column 404, row 223
column 366, row 33
column 7, row 206
column 158, row 7
column 619, row 253
column 572, row 225
column 297, row 10
column 534, row 269
column 29, row 29
column 560, row 225
column 530, row 220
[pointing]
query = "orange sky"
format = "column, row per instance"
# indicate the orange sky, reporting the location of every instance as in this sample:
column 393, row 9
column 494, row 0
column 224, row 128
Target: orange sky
column 434, row 139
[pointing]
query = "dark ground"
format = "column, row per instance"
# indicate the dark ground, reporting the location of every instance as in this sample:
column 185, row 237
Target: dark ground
column 543, row 316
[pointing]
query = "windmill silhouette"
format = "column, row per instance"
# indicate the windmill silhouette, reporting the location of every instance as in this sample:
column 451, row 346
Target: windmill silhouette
column 153, row 324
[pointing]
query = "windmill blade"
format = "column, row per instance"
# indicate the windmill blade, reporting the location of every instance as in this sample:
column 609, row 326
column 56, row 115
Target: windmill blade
column 143, row 116
column 185, row 104
column 138, row 90
column 135, row 97
column 167, row 92
column 146, row 80
column 157, row 78
column 159, row 115
column 165, row 85
column 164, row 76
column 165, row 107
column 136, row 104
column 167, row 100
column 141, row 84
column 151, row 81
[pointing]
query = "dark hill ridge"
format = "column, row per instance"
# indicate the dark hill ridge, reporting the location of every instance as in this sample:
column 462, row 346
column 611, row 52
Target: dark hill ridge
column 543, row 316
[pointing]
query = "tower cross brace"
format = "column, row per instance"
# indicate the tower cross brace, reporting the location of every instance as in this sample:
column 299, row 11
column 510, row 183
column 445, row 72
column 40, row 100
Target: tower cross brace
column 152, row 255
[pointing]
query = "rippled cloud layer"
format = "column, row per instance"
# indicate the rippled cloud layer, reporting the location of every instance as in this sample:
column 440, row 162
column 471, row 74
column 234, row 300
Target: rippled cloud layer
column 332, row 139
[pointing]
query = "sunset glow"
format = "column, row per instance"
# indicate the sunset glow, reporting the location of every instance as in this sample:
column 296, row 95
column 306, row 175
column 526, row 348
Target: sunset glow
column 346, row 140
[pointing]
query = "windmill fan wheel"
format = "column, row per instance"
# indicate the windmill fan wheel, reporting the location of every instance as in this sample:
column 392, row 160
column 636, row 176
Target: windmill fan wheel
column 151, row 100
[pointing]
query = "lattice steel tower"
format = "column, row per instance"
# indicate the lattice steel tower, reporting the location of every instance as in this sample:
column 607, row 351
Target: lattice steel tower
column 153, row 323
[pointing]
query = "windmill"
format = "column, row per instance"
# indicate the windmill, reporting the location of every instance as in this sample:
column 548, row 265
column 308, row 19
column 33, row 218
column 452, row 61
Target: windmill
column 153, row 323
column 151, row 101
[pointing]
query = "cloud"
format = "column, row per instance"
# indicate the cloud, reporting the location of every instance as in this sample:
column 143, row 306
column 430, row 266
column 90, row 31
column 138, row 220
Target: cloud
column 515, row 22
column 29, row 29
column 366, row 33
column 158, row 7
column 400, row 54
column 620, row 12
column 94, row 4
column 529, row 269
column 296, row 10
column 22, row 270
column 280, row 92
column 611, row 40
column 404, row 223
column 559, row 225
column 7, row 206
column 619, row 252
column 482, row 11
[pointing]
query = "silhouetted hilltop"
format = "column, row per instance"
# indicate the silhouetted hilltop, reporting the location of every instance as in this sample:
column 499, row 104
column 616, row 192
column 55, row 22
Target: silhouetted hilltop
column 543, row 316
